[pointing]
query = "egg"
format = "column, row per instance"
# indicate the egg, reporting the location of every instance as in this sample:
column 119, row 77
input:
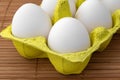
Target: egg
column 30, row 21
column 92, row 13
column 49, row 6
column 111, row 4
column 68, row 35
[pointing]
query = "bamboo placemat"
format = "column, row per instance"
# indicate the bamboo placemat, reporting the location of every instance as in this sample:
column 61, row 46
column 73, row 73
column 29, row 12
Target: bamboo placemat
column 102, row 66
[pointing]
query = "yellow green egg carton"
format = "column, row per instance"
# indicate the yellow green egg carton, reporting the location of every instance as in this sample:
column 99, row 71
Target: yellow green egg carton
column 68, row 63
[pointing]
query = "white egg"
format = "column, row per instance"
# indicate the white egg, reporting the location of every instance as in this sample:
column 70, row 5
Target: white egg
column 49, row 6
column 92, row 13
column 30, row 21
column 68, row 35
column 112, row 4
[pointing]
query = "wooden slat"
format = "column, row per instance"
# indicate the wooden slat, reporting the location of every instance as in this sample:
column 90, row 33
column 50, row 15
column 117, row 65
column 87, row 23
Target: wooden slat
column 12, row 65
column 102, row 66
column 101, row 78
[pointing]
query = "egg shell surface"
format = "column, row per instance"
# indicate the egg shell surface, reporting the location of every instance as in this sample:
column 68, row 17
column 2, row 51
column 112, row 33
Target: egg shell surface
column 30, row 21
column 68, row 35
column 92, row 13
column 112, row 5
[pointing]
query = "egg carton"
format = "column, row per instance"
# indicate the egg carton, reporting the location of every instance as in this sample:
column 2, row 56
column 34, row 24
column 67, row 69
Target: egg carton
column 69, row 63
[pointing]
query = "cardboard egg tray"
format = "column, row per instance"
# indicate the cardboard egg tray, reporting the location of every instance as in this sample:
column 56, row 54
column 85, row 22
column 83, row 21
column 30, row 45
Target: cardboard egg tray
column 69, row 63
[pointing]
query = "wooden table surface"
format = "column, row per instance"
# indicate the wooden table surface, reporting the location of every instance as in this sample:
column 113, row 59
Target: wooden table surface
column 102, row 66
